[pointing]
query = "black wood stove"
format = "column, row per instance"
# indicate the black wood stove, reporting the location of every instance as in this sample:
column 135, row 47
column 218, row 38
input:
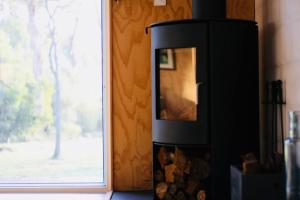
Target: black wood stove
column 205, row 101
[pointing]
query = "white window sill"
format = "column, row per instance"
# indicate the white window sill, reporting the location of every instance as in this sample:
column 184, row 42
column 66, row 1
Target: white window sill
column 56, row 196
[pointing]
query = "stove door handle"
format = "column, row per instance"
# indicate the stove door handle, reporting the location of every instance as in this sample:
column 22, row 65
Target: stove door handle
column 197, row 91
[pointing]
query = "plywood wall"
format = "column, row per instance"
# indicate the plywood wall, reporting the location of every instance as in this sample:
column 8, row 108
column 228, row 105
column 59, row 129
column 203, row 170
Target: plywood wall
column 131, row 77
column 241, row 9
column 132, row 87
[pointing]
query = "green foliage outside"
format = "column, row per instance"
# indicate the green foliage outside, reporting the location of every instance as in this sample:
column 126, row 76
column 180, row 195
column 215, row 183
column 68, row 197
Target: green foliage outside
column 21, row 111
column 26, row 98
column 25, row 104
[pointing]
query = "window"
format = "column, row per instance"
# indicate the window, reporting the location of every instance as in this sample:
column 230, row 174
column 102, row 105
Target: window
column 51, row 92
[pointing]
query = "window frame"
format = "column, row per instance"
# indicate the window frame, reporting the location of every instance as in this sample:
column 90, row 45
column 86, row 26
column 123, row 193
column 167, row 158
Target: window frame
column 106, row 187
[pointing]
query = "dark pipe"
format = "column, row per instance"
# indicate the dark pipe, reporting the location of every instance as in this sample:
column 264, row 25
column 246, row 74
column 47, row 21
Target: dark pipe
column 209, row 9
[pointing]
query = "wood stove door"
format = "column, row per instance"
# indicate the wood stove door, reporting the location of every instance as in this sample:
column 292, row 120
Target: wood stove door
column 180, row 84
column 178, row 88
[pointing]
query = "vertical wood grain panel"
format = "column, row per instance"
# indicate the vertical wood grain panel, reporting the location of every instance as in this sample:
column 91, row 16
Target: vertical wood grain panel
column 132, row 87
column 131, row 77
column 241, row 9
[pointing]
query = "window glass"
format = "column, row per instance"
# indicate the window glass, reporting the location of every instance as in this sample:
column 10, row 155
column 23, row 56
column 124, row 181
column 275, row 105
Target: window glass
column 51, row 128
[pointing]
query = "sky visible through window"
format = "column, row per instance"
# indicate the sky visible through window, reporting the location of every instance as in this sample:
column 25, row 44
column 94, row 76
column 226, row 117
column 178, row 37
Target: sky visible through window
column 51, row 91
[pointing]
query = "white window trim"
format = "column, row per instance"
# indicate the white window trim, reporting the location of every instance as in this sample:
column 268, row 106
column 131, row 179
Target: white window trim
column 107, row 55
column 87, row 188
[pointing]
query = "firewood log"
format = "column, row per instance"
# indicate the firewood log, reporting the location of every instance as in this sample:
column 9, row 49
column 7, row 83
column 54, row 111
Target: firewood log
column 180, row 161
column 200, row 169
column 188, row 167
column 181, row 196
column 159, row 176
column 171, row 157
column 162, row 157
column 168, row 196
column 179, row 180
column 161, row 190
column 250, row 167
column 172, row 189
column 201, row 195
column 192, row 187
column 250, row 164
column 170, row 172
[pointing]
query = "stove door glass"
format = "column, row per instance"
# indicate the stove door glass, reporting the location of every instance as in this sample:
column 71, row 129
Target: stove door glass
column 177, row 83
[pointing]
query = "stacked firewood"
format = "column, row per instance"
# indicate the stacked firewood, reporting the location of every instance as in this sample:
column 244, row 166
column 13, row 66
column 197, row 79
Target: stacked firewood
column 180, row 176
column 250, row 164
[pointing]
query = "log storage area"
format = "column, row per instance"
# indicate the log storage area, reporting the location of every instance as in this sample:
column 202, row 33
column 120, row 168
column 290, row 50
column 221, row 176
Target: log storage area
column 181, row 173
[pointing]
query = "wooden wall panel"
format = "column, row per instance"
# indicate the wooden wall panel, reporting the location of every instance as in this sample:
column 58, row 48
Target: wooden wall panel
column 132, row 87
column 241, row 9
column 131, row 77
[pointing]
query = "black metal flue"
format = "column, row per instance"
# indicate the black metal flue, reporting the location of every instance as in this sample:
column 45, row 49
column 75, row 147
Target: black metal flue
column 209, row 9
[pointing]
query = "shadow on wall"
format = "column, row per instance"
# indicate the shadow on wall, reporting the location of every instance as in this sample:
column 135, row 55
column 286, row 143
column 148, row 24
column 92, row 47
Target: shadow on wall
column 267, row 32
column 279, row 24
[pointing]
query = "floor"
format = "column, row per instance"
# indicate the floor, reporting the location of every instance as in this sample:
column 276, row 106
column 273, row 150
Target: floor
column 143, row 195
column 53, row 197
